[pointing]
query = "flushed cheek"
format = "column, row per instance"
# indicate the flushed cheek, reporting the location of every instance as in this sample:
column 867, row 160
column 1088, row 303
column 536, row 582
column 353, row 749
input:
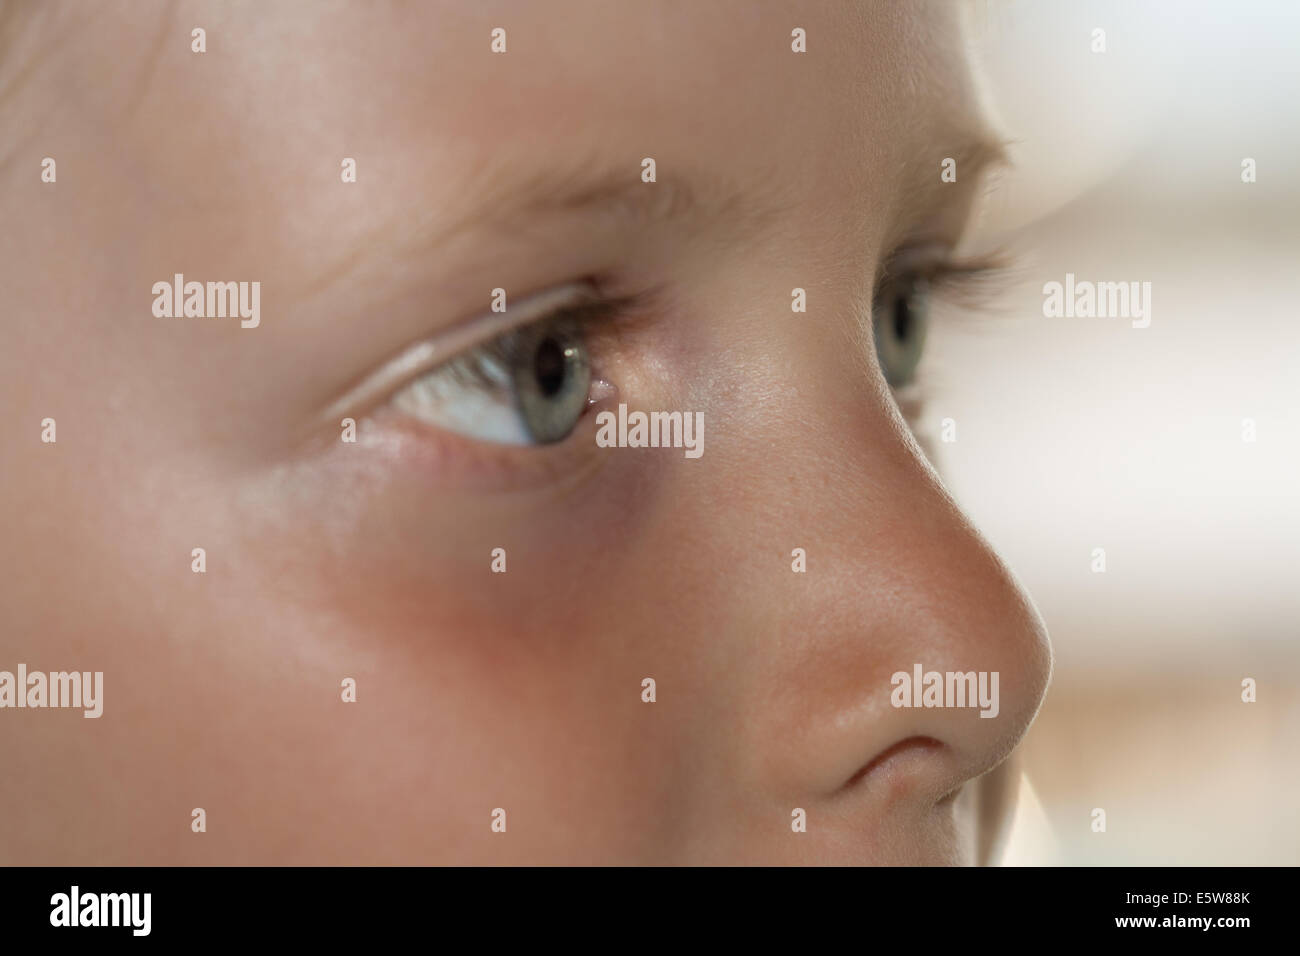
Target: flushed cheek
column 477, row 718
column 517, row 677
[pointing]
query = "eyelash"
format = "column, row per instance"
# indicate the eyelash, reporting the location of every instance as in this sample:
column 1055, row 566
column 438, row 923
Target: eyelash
column 473, row 367
column 970, row 282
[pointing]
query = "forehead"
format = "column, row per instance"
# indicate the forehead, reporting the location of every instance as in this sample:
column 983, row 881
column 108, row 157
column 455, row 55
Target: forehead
column 432, row 114
column 713, row 67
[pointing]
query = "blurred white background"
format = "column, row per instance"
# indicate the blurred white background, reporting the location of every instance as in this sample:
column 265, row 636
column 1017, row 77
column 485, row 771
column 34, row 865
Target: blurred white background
column 1083, row 433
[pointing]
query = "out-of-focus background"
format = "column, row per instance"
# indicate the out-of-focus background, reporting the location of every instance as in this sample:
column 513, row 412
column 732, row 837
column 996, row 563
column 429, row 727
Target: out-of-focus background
column 1083, row 433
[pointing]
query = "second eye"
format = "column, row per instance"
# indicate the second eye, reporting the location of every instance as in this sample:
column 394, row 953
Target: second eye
column 901, row 319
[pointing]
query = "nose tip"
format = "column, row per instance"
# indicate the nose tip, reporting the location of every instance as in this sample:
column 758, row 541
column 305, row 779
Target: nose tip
column 946, row 683
column 986, row 668
column 1010, row 641
column 954, row 711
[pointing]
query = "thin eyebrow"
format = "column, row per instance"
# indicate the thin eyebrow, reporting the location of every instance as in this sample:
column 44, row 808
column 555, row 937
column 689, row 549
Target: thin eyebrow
column 512, row 199
column 988, row 154
column 690, row 199
column 978, row 153
column 587, row 187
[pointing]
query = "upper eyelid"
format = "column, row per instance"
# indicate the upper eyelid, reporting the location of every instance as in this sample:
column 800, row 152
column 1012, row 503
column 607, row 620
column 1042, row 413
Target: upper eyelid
column 431, row 352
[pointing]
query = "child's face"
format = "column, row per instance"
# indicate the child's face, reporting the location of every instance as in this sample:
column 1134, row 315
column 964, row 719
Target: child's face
column 373, row 560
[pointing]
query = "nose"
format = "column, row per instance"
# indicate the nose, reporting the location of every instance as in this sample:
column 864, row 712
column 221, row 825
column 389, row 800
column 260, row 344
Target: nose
column 911, row 659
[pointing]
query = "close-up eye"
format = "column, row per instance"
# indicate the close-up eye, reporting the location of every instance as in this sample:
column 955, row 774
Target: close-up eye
column 528, row 386
column 900, row 317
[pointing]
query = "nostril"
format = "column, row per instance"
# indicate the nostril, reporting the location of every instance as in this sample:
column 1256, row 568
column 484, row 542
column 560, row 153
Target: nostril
column 889, row 762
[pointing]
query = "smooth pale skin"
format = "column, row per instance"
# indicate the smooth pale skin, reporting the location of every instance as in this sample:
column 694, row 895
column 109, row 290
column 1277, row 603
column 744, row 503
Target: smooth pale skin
column 371, row 560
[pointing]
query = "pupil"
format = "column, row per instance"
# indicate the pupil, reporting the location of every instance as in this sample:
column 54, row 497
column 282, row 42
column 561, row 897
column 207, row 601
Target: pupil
column 902, row 319
column 548, row 366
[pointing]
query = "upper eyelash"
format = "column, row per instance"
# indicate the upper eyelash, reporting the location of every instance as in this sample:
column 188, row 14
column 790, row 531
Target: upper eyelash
column 969, row 284
column 973, row 280
column 585, row 301
column 939, row 267
column 473, row 367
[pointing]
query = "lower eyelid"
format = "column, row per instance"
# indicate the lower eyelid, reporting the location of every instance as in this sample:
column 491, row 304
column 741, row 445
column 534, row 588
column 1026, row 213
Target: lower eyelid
column 447, row 459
